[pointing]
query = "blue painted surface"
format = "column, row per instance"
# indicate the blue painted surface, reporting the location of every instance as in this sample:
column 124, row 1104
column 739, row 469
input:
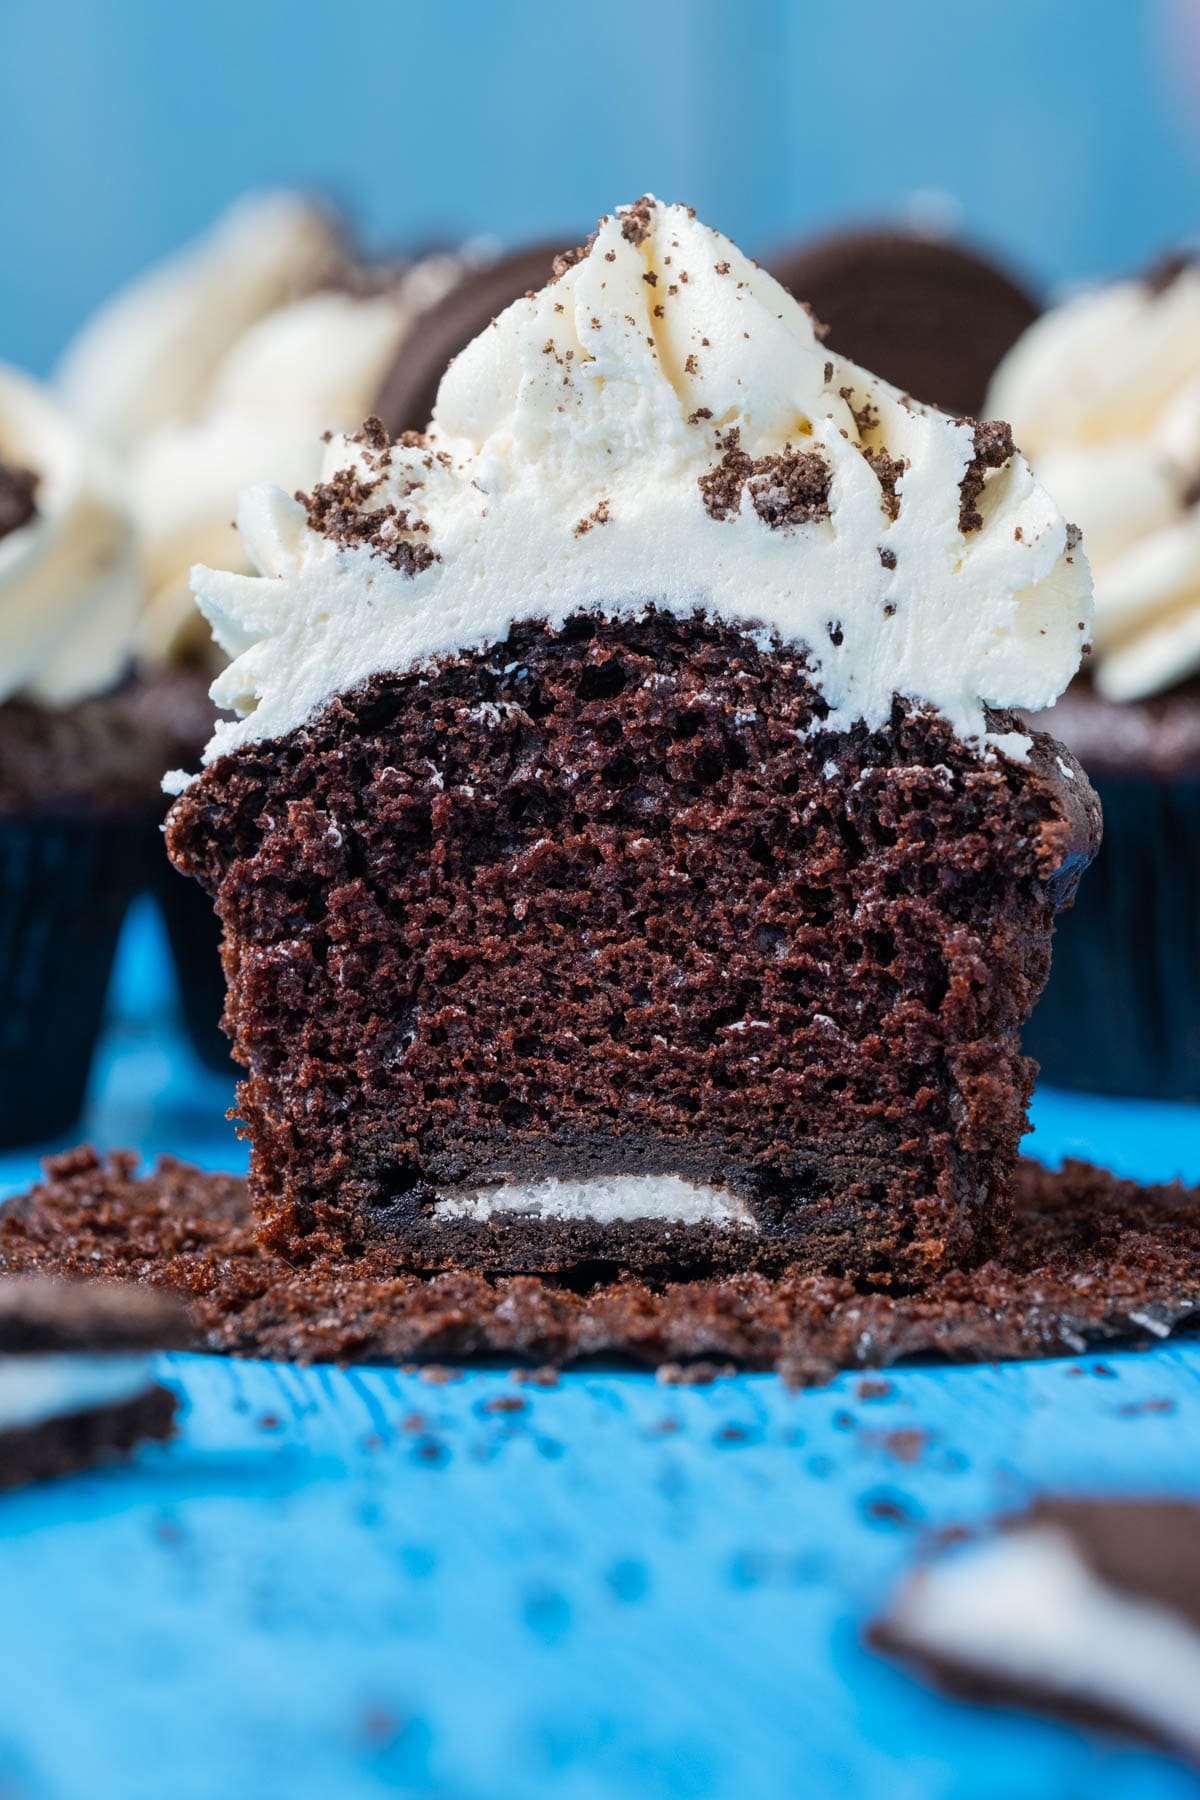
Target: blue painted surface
column 343, row 1584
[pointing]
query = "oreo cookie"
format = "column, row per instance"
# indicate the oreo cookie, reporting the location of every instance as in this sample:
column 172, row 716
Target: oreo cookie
column 932, row 317
column 77, row 1379
column 410, row 387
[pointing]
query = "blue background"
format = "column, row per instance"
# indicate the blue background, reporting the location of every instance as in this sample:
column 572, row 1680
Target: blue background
column 1065, row 130
column 342, row 1584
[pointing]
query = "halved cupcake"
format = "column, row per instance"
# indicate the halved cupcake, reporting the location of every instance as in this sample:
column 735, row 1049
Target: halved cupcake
column 626, row 853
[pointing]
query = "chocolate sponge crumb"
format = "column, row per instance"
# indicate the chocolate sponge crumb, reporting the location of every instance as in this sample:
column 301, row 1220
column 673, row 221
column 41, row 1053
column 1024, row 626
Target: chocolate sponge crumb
column 789, row 489
column 1089, row 1259
column 993, row 448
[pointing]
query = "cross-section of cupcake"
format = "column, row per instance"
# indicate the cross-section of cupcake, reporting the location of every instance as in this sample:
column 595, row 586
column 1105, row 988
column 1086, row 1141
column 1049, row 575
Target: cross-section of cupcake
column 626, row 855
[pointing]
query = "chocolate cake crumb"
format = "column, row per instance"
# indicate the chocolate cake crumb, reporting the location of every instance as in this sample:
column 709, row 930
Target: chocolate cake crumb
column 789, row 489
column 636, row 220
column 887, row 557
column 566, row 259
column 866, row 416
column 18, row 497
column 1089, row 1259
column 993, row 448
column 599, row 515
column 888, row 470
column 341, row 509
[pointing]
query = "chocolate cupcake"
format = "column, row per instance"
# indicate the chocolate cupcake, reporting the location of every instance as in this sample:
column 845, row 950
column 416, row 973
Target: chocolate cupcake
column 627, row 852
column 1104, row 395
column 79, row 768
column 217, row 369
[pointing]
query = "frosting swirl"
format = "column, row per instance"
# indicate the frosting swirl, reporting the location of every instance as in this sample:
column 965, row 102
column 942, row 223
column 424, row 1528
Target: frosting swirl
column 221, row 368
column 662, row 424
column 69, row 590
column 150, row 353
column 1104, row 392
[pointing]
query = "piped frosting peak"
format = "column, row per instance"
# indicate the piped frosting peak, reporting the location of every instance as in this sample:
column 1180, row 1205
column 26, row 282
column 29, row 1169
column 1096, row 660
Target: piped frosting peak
column 662, row 425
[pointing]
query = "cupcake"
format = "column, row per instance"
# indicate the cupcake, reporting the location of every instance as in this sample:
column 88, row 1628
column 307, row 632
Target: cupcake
column 627, row 854
column 79, row 763
column 219, row 369
column 1104, row 394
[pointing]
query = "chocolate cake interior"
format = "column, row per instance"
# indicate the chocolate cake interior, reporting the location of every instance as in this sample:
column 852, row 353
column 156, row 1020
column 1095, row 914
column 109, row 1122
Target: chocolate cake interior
column 595, row 951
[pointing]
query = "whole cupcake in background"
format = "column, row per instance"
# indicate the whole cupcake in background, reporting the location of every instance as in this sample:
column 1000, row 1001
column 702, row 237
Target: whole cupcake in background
column 80, row 760
column 222, row 367
column 1103, row 394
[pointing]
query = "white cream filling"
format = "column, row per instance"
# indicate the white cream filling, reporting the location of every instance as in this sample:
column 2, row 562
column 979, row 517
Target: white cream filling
column 35, row 1389
column 563, row 471
column 1026, row 1607
column 606, row 1200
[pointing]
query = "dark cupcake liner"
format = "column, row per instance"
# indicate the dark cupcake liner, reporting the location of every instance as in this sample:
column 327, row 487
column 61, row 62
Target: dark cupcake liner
column 65, row 887
column 1121, row 1011
column 195, row 939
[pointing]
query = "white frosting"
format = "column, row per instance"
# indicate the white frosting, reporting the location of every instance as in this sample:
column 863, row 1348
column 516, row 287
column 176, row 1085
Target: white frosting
column 1025, row 1606
column 34, row 1389
column 150, row 354
column 604, row 1200
column 587, row 396
column 1104, row 395
column 310, row 367
column 69, row 587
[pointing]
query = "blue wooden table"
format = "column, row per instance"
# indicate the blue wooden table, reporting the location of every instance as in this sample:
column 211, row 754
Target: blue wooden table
column 346, row 1584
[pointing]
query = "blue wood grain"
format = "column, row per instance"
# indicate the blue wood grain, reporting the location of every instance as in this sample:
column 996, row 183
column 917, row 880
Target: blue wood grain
column 350, row 1583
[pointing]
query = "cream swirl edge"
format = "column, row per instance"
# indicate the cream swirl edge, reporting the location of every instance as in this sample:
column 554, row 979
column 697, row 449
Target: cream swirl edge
column 1104, row 395
column 69, row 586
column 584, row 400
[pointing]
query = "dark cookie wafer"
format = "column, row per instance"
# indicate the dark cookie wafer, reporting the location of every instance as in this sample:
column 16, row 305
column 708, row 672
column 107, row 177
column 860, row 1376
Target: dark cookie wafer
column 411, row 384
column 82, row 1440
column 39, row 1314
column 1086, row 1609
column 1089, row 1259
column 77, row 1385
column 932, row 317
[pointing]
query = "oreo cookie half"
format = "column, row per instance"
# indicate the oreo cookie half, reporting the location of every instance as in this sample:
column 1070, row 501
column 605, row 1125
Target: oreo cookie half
column 410, row 387
column 932, row 317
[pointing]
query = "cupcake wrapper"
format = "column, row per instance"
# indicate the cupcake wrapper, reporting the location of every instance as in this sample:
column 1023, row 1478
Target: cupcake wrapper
column 195, row 938
column 65, row 887
column 1121, row 1011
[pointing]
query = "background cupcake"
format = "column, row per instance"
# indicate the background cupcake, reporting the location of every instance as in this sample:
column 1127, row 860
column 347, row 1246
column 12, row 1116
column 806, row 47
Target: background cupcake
column 1103, row 394
column 221, row 368
column 80, row 757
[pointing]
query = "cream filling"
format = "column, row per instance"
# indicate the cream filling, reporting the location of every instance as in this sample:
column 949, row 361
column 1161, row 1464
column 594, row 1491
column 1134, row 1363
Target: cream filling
column 35, row 1389
column 1025, row 1606
column 606, row 1200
